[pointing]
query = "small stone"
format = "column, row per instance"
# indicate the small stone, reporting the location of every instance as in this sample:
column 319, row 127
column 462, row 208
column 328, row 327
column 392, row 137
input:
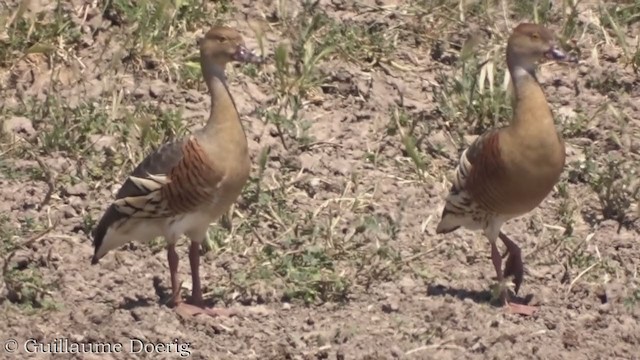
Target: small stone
column 441, row 139
column 156, row 89
column 551, row 325
column 612, row 293
column 68, row 212
column 101, row 142
column 19, row 125
column 396, row 352
column 77, row 203
column 570, row 339
column 139, row 92
column 322, row 354
column 309, row 161
column 77, row 338
column 340, row 167
column 314, row 182
column 261, row 310
column 294, row 340
column 79, row 189
column 22, row 259
column 255, row 93
column 406, row 284
column 390, row 306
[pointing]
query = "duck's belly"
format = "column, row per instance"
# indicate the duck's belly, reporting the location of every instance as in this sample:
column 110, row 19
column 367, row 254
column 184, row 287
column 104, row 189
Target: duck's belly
column 194, row 225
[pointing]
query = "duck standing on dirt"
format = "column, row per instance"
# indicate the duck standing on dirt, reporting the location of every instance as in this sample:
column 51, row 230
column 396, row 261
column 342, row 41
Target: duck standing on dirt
column 187, row 184
column 507, row 172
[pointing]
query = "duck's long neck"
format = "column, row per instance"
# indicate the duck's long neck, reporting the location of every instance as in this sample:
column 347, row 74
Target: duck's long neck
column 224, row 120
column 531, row 112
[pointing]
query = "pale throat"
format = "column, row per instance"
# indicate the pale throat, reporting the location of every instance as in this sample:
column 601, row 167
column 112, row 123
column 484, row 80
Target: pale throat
column 213, row 71
column 519, row 73
column 223, row 113
column 216, row 81
column 525, row 81
column 523, row 73
column 531, row 110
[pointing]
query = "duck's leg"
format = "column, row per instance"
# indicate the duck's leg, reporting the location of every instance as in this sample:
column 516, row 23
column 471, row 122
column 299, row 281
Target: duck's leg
column 514, row 308
column 496, row 259
column 514, row 266
column 196, row 305
column 173, row 260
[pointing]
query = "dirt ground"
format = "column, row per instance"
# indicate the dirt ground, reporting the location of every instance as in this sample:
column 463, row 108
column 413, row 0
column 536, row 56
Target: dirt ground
column 354, row 125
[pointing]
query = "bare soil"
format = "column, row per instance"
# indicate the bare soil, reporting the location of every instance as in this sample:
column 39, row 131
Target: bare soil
column 336, row 257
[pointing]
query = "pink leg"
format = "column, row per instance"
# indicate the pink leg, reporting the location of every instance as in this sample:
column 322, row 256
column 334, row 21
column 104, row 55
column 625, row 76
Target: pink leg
column 512, row 307
column 197, row 307
column 194, row 261
column 497, row 261
column 172, row 257
column 514, row 265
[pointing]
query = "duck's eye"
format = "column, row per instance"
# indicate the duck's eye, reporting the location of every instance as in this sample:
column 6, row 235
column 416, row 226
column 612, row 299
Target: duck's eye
column 535, row 36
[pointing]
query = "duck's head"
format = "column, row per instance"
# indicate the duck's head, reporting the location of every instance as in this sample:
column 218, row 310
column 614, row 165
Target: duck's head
column 529, row 43
column 222, row 45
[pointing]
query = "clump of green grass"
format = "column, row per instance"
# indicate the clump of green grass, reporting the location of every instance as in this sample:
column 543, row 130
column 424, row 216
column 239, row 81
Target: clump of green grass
column 405, row 126
column 299, row 259
column 618, row 18
column 29, row 290
column 7, row 233
column 578, row 125
column 302, row 265
column 310, row 273
column 297, row 255
column 297, row 77
column 70, row 131
column 470, row 100
column 161, row 32
column 567, row 208
column 67, row 129
column 23, row 284
column 363, row 44
column 633, row 300
column 383, row 260
column 46, row 33
column 612, row 181
column 155, row 126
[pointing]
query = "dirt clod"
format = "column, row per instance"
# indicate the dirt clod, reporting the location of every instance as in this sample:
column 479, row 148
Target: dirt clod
column 19, row 125
column 80, row 189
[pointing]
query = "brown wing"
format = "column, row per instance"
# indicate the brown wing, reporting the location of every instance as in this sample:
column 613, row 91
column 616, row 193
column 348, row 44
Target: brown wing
column 472, row 190
column 487, row 171
column 175, row 179
column 193, row 180
column 159, row 162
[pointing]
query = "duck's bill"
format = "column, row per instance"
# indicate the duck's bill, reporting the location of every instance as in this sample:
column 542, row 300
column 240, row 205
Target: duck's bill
column 557, row 54
column 243, row 54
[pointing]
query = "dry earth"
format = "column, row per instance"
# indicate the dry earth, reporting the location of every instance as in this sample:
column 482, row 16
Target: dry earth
column 355, row 124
